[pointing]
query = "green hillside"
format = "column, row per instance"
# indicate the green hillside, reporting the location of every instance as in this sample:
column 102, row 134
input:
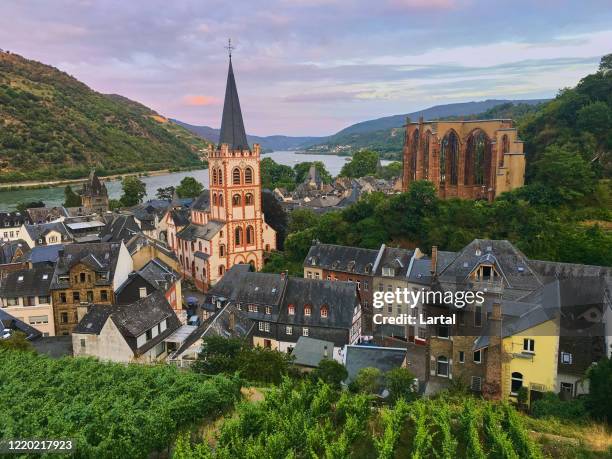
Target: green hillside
column 52, row 126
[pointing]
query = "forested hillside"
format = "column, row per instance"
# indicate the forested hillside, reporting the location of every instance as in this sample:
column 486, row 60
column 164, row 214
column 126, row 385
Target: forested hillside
column 53, row 126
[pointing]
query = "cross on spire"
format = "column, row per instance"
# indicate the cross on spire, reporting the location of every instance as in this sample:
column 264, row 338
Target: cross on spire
column 229, row 47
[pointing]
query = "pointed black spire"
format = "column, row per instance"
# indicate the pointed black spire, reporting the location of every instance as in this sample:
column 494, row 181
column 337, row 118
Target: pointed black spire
column 232, row 126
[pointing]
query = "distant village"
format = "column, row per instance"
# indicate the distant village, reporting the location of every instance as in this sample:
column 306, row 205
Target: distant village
column 147, row 284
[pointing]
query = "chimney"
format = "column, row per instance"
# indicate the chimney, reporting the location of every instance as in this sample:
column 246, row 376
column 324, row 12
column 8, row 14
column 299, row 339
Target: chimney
column 496, row 312
column 434, row 259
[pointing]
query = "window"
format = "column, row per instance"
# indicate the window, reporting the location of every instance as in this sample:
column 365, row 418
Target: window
column 261, row 326
column 221, row 200
column 309, row 274
column 388, row 272
column 248, row 175
column 248, row 199
column 477, row 356
column 267, row 326
column 142, row 292
column 214, row 199
column 214, row 176
column 529, row 345
column 82, row 343
column 516, row 383
column 476, row 384
column 104, row 295
column 291, row 310
column 236, row 200
column 82, row 277
column 307, row 310
column 252, row 308
column 289, row 330
column 250, row 235
column 461, row 357
column 221, row 250
column 162, row 326
column 305, row 332
column 238, row 236
column 324, row 312
column 39, row 320
column 567, row 388
column 236, row 176
column 566, row 358
column 442, row 367
column 90, row 296
column 64, row 317
column 477, row 316
column 443, row 330
column 149, row 334
column 365, row 285
column 12, row 301
column 29, row 301
column 44, row 299
column 62, row 296
column 268, row 310
column 220, row 177
column 221, row 270
column 76, row 297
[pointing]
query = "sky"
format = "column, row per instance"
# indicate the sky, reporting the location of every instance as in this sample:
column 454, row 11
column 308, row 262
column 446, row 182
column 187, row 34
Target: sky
column 312, row 67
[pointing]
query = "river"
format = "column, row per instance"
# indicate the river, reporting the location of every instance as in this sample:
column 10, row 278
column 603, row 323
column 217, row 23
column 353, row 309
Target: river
column 55, row 196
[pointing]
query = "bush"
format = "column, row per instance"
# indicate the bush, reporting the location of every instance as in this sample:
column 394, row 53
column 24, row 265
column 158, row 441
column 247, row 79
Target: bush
column 330, row 372
column 552, row 405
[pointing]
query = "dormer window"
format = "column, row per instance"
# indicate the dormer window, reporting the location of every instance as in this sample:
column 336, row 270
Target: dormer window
column 307, row 310
column 486, row 273
column 387, row 271
column 368, row 268
column 324, row 312
column 291, row 310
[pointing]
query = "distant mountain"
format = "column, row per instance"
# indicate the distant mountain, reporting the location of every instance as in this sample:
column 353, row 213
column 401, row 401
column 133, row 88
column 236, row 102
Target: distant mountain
column 52, row 126
column 273, row 142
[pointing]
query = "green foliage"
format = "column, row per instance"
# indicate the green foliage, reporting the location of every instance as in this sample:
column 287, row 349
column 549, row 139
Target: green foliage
column 134, row 190
column 330, row 372
column 71, row 199
column 390, row 171
column 515, row 429
column 361, row 164
column 23, row 206
column 219, row 355
column 392, row 423
column 599, row 401
column 111, row 410
column 522, row 396
column 368, row 381
column 400, row 384
column 165, row 193
column 551, row 405
column 276, row 217
column 301, row 219
column 60, row 128
column 469, row 430
column 189, row 188
column 274, row 175
column 499, row 444
column 301, row 171
column 16, row 342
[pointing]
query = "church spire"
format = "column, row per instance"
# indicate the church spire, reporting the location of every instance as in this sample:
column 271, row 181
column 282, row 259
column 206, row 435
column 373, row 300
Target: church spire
column 232, row 126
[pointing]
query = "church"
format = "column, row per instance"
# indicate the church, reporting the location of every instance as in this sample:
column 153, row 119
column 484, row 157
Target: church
column 227, row 224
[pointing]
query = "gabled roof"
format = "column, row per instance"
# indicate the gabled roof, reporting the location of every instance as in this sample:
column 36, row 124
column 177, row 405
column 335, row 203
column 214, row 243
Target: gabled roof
column 341, row 258
column 10, row 250
column 27, row 282
column 195, row 231
column 309, row 352
column 100, row 256
column 155, row 273
column 13, row 219
column 122, row 227
column 395, row 258
column 39, row 230
column 232, row 127
column 8, row 322
column 202, row 202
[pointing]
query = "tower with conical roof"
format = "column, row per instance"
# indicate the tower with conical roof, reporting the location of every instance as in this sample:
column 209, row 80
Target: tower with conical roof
column 233, row 229
column 94, row 195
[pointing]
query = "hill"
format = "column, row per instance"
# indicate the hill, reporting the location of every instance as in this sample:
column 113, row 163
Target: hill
column 54, row 126
column 388, row 141
column 272, row 142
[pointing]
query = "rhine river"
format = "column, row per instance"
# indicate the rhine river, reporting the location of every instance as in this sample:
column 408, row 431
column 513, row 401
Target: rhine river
column 55, row 196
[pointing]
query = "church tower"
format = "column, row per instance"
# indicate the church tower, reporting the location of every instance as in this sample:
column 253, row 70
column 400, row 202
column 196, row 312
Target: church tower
column 235, row 187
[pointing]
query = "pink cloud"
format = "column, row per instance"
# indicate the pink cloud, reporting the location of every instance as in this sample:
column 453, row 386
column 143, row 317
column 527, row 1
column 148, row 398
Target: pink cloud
column 423, row 4
column 201, row 100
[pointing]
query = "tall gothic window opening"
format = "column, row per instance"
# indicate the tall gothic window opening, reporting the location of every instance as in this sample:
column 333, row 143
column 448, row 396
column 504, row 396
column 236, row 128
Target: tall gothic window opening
column 426, row 155
column 477, row 159
column 414, row 148
column 221, row 200
column 504, row 149
column 248, row 199
column 248, row 175
column 238, row 236
column 220, row 178
column 250, row 235
column 214, row 175
column 236, row 200
column 449, row 158
column 236, row 176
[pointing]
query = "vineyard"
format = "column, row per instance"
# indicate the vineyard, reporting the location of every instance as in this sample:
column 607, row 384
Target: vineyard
column 306, row 420
column 110, row 410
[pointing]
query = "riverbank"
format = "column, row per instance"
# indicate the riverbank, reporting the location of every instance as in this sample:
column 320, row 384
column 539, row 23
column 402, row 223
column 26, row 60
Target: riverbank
column 37, row 184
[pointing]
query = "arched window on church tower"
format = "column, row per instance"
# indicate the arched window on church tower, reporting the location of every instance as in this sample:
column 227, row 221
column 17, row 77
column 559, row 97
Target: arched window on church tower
column 236, row 200
column 238, row 236
column 250, row 235
column 220, row 176
column 248, row 175
column 214, row 175
column 221, row 200
column 221, row 250
column 504, row 149
column 236, row 176
column 248, row 199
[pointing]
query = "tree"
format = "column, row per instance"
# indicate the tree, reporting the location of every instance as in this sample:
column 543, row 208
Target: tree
column 218, row 355
column 166, row 193
column 400, row 384
column 71, row 199
column 276, row 216
column 605, row 65
column 134, row 190
column 565, row 173
column 301, row 171
column 595, row 118
column 330, row 372
column 599, row 400
column 363, row 163
column 263, row 365
column 16, row 342
column 189, row 188
column 390, row 171
column 301, row 219
column 368, row 381
column 274, row 175
column 23, row 206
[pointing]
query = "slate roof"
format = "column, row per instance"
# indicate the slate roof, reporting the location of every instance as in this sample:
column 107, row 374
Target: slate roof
column 383, row 358
column 9, row 250
column 13, row 219
column 45, row 214
column 122, row 227
column 232, row 127
column 553, row 269
column 396, row 258
column 34, row 282
column 194, row 231
column 202, row 202
column 156, row 273
column 420, row 271
column 341, row 258
column 140, row 240
column 308, row 352
column 39, row 230
column 93, row 187
column 180, row 217
column 8, row 322
column 132, row 320
column 100, row 256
